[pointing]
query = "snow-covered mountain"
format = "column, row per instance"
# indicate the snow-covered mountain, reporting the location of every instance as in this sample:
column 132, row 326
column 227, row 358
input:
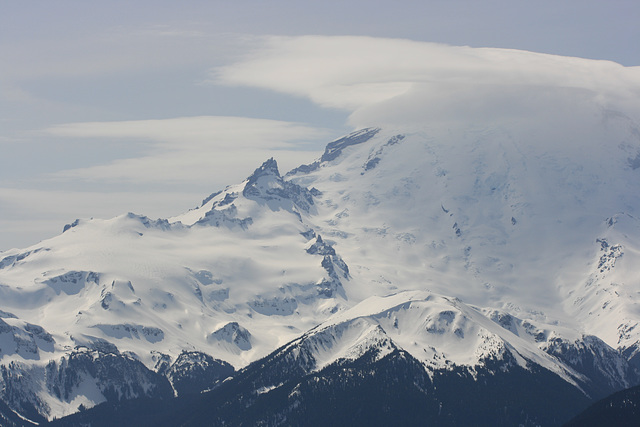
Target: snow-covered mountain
column 468, row 250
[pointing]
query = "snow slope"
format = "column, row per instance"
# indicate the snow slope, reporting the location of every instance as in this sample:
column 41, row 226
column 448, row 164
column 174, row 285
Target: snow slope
column 493, row 217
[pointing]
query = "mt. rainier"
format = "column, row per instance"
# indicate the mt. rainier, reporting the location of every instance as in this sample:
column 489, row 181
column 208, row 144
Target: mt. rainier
column 483, row 257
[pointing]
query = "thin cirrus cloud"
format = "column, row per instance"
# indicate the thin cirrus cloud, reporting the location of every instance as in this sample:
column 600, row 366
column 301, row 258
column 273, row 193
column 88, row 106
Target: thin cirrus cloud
column 190, row 149
column 395, row 81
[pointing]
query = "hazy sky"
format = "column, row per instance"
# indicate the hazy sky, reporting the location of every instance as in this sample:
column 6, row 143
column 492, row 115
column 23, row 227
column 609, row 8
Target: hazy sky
column 149, row 106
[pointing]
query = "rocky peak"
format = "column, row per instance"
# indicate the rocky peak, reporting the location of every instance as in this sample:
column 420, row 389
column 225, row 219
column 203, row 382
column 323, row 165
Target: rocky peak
column 334, row 149
column 267, row 185
column 268, row 168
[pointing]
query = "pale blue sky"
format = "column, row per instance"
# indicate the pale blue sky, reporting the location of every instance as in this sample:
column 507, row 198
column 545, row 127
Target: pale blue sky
column 65, row 63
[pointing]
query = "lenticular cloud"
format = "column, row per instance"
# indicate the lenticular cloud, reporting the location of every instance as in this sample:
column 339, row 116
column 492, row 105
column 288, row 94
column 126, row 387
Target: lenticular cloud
column 402, row 82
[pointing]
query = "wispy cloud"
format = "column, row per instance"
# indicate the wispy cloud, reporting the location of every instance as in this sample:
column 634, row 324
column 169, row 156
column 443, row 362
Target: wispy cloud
column 401, row 81
column 190, row 149
column 118, row 49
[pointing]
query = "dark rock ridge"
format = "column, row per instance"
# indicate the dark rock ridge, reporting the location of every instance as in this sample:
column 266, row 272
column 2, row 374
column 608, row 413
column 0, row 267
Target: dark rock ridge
column 194, row 372
column 266, row 187
column 27, row 340
column 115, row 376
column 334, row 149
column 606, row 369
column 11, row 260
column 127, row 330
column 621, row 409
column 233, row 333
column 383, row 386
column 226, row 217
column 9, row 418
column 266, row 184
column 73, row 224
column 72, row 282
column 160, row 223
column 319, row 247
column 375, row 158
column 334, row 265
